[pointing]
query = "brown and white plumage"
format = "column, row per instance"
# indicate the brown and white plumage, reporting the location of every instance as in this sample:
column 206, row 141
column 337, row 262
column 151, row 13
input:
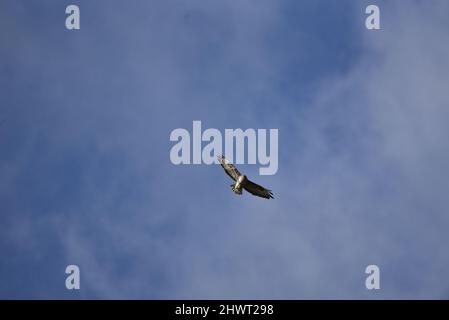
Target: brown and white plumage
column 242, row 182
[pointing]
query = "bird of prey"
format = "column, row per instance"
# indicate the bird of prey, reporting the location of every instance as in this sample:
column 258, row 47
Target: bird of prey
column 242, row 182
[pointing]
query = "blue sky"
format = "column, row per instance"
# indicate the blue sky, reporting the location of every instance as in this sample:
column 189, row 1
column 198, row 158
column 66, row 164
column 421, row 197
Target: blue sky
column 86, row 179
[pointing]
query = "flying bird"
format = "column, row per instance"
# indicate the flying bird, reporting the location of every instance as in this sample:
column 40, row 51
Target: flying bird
column 242, row 182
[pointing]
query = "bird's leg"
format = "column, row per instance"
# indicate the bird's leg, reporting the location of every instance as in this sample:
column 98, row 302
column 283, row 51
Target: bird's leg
column 236, row 188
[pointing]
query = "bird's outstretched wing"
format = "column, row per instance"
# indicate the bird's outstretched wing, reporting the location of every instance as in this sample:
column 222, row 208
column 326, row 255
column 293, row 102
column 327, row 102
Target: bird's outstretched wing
column 229, row 168
column 257, row 190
